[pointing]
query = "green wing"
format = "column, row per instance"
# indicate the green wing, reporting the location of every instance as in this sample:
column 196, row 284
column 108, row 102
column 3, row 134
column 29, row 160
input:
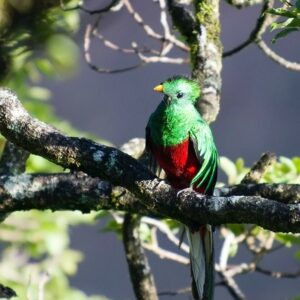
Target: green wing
column 150, row 159
column 206, row 152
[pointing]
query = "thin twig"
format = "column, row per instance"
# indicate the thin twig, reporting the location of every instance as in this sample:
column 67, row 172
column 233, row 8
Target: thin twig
column 167, row 42
column 163, row 228
column 162, row 59
column 154, row 247
column 231, row 285
column 277, row 274
column 243, row 3
column 165, row 254
column 290, row 65
column 149, row 30
column 175, row 293
column 225, row 250
column 242, row 268
column 88, row 59
column 107, row 8
column 256, row 32
column 109, row 44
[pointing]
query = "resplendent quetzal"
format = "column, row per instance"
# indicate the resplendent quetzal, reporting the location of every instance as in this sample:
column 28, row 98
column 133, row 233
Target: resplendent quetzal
column 181, row 143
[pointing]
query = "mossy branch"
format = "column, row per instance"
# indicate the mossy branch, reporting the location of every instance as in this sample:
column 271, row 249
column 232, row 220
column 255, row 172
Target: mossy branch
column 155, row 196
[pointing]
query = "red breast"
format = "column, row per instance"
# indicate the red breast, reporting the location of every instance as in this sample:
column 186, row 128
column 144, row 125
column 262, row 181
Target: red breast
column 179, row 162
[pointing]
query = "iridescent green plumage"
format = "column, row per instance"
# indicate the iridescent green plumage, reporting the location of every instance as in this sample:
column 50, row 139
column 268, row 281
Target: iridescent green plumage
column 177, row 119
column 206, row 150
column 182, row 144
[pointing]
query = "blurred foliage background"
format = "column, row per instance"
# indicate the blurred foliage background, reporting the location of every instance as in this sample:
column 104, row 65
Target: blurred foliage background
column 36, row 42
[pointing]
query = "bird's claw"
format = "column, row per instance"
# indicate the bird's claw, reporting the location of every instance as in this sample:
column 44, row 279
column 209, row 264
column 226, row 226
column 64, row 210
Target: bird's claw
column 188, row 190
column 157, row 186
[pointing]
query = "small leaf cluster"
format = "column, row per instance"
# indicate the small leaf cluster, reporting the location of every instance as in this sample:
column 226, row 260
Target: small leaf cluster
column 289, row 21
column 285, row 170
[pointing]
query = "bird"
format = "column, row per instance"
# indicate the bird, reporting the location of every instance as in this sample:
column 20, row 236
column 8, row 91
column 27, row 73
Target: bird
column 179, row 141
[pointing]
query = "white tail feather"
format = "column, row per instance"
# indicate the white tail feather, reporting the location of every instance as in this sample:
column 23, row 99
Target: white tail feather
column 201, row 248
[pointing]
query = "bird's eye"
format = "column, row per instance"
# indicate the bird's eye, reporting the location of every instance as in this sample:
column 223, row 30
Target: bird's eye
column 179, row 95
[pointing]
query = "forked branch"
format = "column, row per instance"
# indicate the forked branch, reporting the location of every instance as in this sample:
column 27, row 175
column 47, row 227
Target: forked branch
column 120, row 169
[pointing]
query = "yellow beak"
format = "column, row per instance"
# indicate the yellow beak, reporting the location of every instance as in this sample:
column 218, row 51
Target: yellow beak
column 159, row 88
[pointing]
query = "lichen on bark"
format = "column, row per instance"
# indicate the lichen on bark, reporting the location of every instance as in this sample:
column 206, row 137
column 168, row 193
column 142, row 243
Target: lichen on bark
column 206, row 56
column 207, row 15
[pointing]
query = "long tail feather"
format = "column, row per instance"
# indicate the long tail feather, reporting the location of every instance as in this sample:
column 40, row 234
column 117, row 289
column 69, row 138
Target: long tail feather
column 202, row 262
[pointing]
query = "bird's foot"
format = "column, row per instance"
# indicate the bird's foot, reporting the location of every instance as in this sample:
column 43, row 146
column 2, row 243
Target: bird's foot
column 157, row 186
column 187, row 190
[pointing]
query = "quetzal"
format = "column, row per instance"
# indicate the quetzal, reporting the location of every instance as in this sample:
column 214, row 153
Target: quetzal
column 181, row 143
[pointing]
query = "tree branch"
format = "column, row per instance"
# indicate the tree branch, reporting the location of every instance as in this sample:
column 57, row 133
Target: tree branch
column 290, row 65
column 183, row 19
column 139, row 269
column 202, row 34
column 118, row 168
column 55, row 192
column 81, row 192
column 175, row 293
column 260, row 27
column 277, row 274
column 13, row 159
column 284, row 193
column 243, row 3
column 259, row 168
column 231, row 285
column 206, row 57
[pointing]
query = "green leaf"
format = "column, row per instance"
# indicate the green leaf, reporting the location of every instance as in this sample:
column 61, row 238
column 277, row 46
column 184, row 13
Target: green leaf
column 56, row 242
column 39, row 164
column 283, row 12
column 283, row 33
column 237, row 229
column 39, row 93
column 233, row 249
column 172, row 224
column 45, row 66
column 295, row 23
column 288, row 239
column 113, row 226
column 69, row 261
column 281, row 25
column 71, row 21
column 296, row 161
column 145, row 233
column 287, row 165
column 240, row 165
column 63, row 53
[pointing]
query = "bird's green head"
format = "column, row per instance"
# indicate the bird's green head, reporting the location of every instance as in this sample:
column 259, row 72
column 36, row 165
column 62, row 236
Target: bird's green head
column 179, row 89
